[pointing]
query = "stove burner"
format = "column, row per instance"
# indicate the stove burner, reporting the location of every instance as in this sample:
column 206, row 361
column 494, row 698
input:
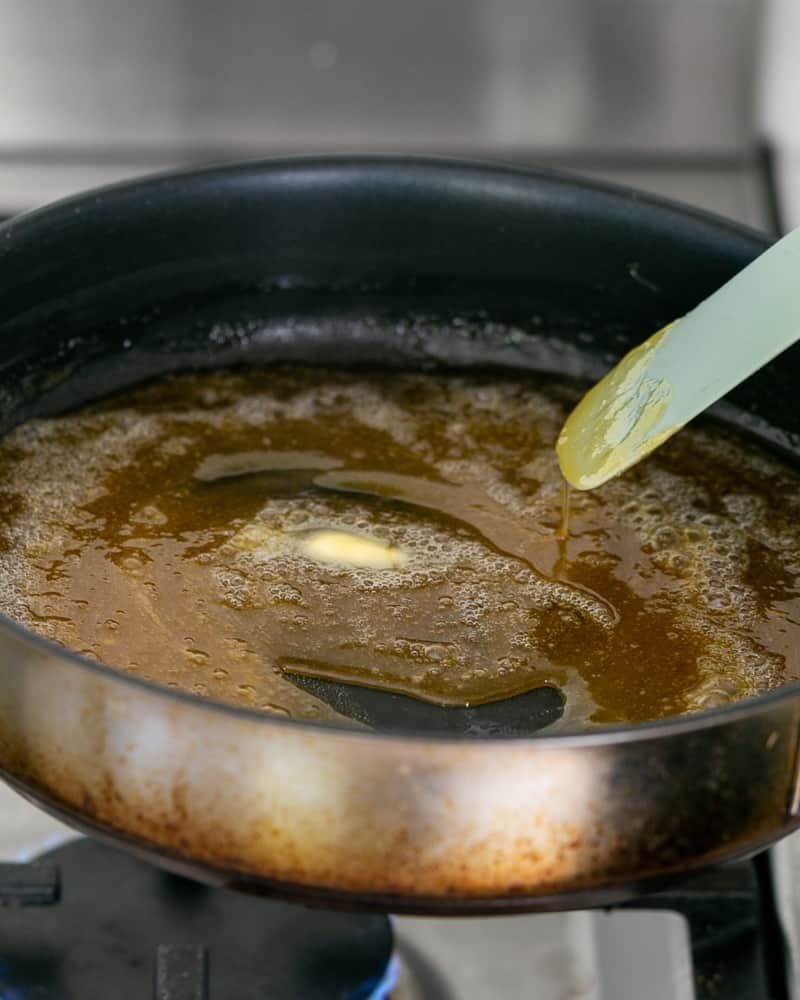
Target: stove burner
column 86, row 920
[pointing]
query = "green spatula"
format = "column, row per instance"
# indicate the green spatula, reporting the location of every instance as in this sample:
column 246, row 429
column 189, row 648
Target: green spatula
column 684, row 368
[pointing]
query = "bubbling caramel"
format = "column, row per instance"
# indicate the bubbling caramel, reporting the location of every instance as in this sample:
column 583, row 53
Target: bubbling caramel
column 219, row 532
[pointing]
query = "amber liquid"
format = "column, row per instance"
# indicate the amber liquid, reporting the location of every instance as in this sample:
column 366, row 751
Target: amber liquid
column 163, row 533
column 563, row 526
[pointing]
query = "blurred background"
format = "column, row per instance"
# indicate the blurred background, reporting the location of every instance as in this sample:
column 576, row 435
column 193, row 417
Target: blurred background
column 695, row 99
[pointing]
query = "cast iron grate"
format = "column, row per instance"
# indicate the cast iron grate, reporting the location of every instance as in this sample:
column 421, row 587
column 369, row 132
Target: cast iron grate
column 122, row 928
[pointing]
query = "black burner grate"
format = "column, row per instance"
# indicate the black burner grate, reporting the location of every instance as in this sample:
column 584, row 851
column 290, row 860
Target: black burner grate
column 736, row 951
column 90, row 921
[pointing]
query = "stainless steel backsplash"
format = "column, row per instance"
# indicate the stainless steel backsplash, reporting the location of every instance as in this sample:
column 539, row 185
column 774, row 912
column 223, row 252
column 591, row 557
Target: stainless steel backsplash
column 614, row 77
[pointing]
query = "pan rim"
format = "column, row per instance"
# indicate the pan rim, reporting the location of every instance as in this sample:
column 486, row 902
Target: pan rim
column 378, row 163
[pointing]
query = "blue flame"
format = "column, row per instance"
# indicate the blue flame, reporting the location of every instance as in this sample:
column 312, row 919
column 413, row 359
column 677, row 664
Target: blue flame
column 373, row 989
column 8, row 991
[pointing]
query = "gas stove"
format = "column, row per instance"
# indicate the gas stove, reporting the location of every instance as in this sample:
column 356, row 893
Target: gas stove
column 86, row 920
column 103, row 924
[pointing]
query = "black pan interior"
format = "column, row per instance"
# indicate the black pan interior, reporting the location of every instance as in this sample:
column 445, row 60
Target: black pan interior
column 372, row 262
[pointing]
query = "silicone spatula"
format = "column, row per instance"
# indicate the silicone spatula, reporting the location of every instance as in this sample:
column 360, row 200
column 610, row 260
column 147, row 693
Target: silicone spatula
column 680, row 371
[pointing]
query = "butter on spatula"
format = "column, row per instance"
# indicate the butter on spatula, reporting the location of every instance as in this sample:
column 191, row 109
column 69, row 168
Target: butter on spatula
column 680, row 371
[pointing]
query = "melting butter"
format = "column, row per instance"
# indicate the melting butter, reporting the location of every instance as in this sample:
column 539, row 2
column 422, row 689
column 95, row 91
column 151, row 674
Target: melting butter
column 348, row 549
column 617, row 422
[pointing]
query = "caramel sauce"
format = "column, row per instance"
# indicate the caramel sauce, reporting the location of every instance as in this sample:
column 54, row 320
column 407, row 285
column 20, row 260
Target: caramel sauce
column 563, row 525
column 165, row 532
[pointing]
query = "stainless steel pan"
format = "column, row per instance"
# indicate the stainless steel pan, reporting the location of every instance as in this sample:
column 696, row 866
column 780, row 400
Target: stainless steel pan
column 401, row 263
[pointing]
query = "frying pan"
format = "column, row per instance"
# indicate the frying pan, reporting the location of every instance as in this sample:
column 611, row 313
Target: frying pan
column 399, row 263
